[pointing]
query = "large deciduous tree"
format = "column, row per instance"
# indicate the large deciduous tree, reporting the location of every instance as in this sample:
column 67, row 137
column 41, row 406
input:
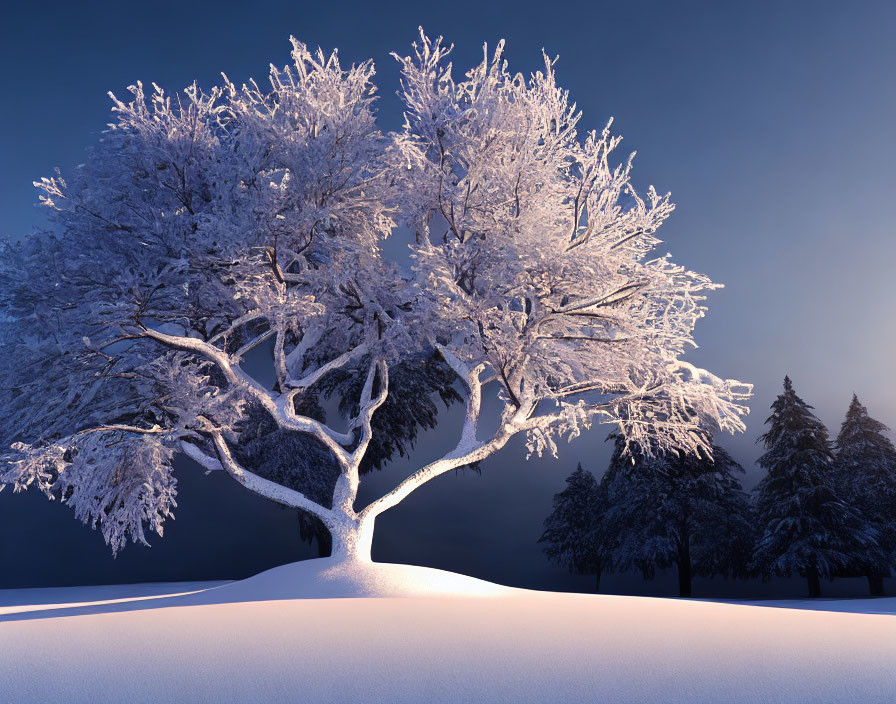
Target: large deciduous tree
column 212, row 225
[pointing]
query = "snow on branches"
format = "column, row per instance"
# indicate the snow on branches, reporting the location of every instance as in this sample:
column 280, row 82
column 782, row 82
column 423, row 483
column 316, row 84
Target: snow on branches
column 210, row 227
column 118, row 481
column 532, row 251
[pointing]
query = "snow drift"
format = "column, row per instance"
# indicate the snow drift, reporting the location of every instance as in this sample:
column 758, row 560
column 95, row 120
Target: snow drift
column 256, row 641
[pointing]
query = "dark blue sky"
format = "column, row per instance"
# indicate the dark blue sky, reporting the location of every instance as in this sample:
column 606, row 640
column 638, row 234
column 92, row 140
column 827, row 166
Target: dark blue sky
column 770, row 122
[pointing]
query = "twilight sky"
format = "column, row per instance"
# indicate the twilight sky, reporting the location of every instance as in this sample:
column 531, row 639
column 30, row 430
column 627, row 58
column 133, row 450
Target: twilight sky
column 770, row 122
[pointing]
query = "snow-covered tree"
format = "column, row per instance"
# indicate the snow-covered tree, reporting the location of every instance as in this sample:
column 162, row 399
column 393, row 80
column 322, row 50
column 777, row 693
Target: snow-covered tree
column 686, row 511
column 804, row 526
column 572, row 530
column 865, row 471
column 215, row 225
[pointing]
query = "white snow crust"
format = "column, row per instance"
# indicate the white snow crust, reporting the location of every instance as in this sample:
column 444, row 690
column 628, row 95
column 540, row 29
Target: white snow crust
column 284, row 636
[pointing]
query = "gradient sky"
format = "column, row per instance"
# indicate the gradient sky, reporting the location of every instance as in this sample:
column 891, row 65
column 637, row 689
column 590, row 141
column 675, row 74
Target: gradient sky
column 770, row 122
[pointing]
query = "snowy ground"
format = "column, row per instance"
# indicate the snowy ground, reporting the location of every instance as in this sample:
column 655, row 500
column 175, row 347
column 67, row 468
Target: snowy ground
column 446, row 638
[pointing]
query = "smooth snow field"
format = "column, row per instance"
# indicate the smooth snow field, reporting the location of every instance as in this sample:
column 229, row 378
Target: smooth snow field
column 309, row 632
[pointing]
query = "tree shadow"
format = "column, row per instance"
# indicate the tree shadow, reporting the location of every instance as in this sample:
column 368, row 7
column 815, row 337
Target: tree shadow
column 320, row 578
column 60, row 606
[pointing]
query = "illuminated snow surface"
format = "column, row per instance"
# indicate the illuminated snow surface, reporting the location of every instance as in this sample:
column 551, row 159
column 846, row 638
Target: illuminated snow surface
column 431, row 636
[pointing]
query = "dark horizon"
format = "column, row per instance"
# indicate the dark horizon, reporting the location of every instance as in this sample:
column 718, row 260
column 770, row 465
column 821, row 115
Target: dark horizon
column 771, row 125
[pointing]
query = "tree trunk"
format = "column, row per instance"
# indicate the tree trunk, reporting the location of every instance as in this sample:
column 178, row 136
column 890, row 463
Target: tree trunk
column 813, row 581
column 351, row 539
column 597, row 581
column 684, row 577
column 876, row 584
column 684, row 566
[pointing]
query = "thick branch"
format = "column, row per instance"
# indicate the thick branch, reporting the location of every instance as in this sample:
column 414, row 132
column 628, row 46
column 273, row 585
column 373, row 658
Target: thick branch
column 242, row 320
column 279, row 406
column 346, row 489
column 468, row 449
column 280, row 360
column 252, row 482
column 474, row 383
column 315, row 376
column 462, row 455
column 472, row 379
column 253, row 343
column 369, row 406
column 155, row 430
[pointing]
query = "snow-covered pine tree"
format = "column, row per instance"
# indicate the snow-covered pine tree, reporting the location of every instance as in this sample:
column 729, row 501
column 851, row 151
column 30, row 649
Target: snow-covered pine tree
column 572, row 530
column 209, row 226
column 804, row 526
column 686, row 511
column 865, row 471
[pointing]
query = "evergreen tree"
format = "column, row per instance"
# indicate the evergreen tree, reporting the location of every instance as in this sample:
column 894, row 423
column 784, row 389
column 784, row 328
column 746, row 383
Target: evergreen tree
column 572, row 531
column 683, row 510
column 805, row 528
column 866, row 479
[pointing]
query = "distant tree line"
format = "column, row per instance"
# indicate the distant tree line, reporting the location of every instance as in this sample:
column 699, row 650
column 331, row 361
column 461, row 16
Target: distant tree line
column 823, row 510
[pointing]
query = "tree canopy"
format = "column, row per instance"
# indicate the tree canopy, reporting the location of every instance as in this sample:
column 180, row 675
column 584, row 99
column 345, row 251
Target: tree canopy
column 210, row 225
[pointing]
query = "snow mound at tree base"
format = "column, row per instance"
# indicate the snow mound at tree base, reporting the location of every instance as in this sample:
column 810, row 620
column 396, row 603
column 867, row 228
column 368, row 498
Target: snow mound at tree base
column 327, row 578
